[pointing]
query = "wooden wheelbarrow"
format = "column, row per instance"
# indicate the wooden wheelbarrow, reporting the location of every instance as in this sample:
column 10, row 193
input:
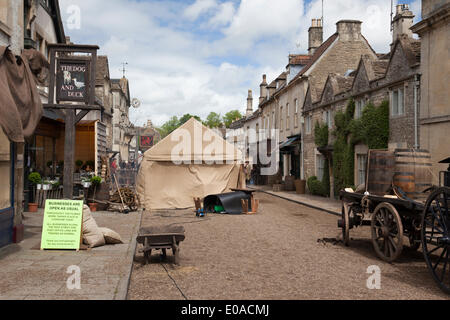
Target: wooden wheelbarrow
column 161, row 238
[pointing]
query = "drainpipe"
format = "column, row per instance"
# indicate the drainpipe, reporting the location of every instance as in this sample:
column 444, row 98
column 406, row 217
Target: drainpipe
column 416, row 111
column 302, row 132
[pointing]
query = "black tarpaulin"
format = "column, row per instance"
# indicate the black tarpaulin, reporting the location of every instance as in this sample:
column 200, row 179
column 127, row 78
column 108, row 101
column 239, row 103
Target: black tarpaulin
column 231, row 202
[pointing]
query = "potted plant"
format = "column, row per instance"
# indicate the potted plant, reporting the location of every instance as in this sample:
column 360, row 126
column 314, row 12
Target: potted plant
column 89, row 165
column 35, row 179
column 300, row 186
column 86, row 182
column 47, row 185
column 95, row 181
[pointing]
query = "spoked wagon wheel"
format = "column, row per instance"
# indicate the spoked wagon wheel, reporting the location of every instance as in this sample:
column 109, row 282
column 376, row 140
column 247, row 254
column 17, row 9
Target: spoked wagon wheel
column 436, row 237
column 346, row 223
column 387, row 232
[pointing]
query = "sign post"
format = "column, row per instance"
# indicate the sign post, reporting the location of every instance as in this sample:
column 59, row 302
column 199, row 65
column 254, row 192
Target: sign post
column 72, row 88
column 62, row 225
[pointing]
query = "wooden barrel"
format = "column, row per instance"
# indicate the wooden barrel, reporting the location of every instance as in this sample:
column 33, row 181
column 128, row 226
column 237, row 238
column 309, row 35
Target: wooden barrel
column 413, row 171
column 380, row 170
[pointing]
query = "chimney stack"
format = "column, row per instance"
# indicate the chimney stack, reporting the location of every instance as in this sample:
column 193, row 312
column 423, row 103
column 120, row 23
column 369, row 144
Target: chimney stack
column 263, row 90
column 402, row 22
column 315, row 35
column 249, row 103
column 349, row 30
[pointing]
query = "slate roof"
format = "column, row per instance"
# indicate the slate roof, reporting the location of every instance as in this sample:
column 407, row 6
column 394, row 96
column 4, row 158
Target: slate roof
column 317, row 54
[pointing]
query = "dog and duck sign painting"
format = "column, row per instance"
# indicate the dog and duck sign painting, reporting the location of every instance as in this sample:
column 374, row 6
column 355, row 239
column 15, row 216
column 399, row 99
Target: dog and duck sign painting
column 72, row 81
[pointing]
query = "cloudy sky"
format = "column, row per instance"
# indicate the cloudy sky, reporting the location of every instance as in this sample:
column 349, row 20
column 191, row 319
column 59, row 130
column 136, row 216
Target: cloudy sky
column 198, row 56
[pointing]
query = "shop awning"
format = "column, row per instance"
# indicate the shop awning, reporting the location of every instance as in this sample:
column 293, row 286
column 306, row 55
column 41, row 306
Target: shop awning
column 289, row 142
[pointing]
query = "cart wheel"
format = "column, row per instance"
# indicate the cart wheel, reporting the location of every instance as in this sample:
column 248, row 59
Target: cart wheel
column 346, row 224
column 387, row 232
column 436, row 236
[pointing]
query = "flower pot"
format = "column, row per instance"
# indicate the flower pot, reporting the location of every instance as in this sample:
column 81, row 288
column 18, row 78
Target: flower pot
column 32, row 207
column 93, row 207
column 46, row 187
column 39, row 186
column 86, row 185
column 300, row 186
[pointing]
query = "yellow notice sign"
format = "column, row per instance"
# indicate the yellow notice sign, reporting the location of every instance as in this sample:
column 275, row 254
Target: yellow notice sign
column 62, row 225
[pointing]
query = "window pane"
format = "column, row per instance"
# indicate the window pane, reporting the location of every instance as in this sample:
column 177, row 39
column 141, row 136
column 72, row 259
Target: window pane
column 320, row 167
column 400, row 101
column 395, row 103
column 362, row 167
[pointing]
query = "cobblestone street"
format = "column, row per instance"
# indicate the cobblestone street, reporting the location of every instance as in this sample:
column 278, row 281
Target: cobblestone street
column 286, row 251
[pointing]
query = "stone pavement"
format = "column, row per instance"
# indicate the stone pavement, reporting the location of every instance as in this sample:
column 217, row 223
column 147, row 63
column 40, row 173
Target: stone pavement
column 320, row 203
column 31, row 274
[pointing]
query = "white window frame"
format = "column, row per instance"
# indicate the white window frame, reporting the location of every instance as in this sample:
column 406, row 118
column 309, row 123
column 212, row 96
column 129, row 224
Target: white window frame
column 320, row 166
column 274, row 123
column 296, row 114
column 398, row 102
column 361, row 159
column 359, row 107
column 281, row 118
column 308, row 121
column 287, row 116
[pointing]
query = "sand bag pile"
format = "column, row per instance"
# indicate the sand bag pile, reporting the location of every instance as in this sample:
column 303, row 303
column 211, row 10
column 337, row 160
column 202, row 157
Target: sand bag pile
column 93, row 236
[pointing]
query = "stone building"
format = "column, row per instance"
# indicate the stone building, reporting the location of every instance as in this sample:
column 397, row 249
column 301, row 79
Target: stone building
column 123, row 129
column 28, row 24
column 388, row 77
column 434, row 32
column 281, row 101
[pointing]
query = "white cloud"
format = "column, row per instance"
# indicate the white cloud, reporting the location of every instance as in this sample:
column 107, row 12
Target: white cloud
column 204, row 56
column 198, row 8
column 223, row 16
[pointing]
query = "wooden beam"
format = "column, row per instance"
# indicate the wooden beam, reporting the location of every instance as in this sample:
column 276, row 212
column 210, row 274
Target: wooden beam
column 72, row 107
column 81, row 115
column 69, row 154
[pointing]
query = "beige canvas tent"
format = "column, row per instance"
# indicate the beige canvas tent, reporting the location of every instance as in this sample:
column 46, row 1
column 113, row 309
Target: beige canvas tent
column 193, row 161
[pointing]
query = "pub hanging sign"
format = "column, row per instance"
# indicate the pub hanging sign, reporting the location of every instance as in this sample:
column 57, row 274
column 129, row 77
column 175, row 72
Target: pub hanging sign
column 72, row 80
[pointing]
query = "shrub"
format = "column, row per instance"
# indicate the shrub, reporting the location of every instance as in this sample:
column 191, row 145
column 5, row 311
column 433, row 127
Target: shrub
column 321, row 135
column 316, row 187
column 78, row 163
column 35, row 178
column 96, row 180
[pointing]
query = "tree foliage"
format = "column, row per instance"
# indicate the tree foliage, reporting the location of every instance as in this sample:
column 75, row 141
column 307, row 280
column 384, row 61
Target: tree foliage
column 372, row 129
column 213, row 120
column 231, row 116
column 343, row 154
column 321, row 135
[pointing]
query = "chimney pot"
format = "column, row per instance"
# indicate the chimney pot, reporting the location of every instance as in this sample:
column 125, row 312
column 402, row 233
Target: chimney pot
column 349, row 30
column 402, row 22
column 315, row 35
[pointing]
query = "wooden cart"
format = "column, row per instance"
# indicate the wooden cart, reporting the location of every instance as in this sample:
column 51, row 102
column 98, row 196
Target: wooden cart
column 391, row 220
column 161, row 238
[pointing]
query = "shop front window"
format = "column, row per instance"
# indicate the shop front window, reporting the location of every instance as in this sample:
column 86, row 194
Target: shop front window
column 5, row 171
